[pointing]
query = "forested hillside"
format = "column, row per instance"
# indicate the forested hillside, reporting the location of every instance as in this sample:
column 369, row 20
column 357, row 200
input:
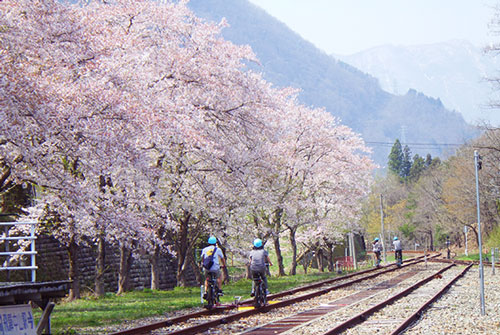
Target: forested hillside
column 349, row 94
column 455, row 71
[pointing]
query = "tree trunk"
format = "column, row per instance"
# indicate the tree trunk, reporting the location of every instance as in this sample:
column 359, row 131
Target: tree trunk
column 458, row 240
column 293, row 242
column 279, row 257
column 319, row 260
column 196, row 268
column 74, row 273
column 155, row 271
column 225, row 272
column 248, row 274
column 476, row 234
column 276, row 240
column 331, row 266
column 182, row 250
column 100, row 267
column 124, row 270
column 302, row 259
column 431, row 241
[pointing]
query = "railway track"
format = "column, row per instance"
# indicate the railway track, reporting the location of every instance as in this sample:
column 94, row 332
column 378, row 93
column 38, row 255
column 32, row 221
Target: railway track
column 390, row 315
column 393, row 323
column 203, row 320
column 455, row 261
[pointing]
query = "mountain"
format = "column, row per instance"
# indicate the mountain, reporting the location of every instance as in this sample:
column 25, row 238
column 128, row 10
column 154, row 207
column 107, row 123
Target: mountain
column 346, row 92
column 454, row 71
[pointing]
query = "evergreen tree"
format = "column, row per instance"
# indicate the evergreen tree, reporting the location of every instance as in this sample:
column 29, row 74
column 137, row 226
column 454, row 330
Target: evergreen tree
column 406, row 163
column 428, row 160
column 396, row 158
column 418, row 166
column 436, row 162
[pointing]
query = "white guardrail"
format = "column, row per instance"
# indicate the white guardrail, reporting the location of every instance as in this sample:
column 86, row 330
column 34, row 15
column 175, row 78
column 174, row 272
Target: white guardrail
column 32, row 252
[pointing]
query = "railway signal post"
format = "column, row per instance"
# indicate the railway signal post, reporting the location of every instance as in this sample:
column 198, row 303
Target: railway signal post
column 478, row 165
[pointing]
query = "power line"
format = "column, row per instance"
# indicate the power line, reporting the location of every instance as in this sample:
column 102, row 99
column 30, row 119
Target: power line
column 431, row 145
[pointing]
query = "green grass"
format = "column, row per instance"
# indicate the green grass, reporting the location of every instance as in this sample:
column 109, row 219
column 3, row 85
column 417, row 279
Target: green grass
column 112, row 309
column 493, row 240
column 473, row 257
column 390, row 258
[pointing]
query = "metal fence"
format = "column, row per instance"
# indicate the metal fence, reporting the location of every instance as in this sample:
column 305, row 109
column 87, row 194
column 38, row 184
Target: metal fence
column 6, row 240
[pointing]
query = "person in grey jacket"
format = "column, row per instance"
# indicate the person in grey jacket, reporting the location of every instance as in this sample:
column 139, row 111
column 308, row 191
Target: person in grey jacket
column 398, row 251
column 376, row 247
column 259, row 258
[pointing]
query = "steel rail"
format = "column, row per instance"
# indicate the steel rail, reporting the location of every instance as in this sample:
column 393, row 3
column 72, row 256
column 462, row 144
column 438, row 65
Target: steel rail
column 361, row 317
column 314, row 314
column 463, row 262
column 350, row 275
column 171, row 321
column 229, row 318
column 165, row 323
column 427, row 304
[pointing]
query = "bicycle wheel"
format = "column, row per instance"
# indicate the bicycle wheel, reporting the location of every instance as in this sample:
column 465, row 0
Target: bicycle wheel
column 260, row 295
column 217, row 293
column 210, row 298
column 256, row 300
column 211, row 295
column 264, row 296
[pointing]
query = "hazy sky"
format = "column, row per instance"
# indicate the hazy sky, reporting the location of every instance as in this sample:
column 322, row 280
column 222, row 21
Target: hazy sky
column 348, row 26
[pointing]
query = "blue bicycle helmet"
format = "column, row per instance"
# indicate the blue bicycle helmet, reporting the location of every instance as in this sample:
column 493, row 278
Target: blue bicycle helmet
column 376, row 239
column 212, row 240
column 257, row 243
column 395, row 238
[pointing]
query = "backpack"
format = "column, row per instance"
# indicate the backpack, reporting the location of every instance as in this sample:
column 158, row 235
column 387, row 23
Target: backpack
column 208, row 260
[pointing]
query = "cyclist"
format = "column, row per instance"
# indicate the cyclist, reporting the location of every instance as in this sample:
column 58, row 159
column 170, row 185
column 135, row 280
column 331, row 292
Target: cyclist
column 398, row 251
column 376, row 250
column 258, row 260
column 218, row 263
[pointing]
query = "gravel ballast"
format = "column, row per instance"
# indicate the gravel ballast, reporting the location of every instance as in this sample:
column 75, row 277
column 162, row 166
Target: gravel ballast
column 458, row 311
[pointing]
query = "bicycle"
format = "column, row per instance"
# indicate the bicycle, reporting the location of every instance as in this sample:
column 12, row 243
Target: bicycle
column 399, row 257
column 260, row 299
column 377, row 259
column 213, row 293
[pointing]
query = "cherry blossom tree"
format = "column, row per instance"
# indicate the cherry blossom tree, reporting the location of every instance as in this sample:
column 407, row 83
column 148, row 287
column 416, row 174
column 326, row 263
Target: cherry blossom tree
column 314, row 169
column 138, row 122
column 63, row 124
column 326, row 173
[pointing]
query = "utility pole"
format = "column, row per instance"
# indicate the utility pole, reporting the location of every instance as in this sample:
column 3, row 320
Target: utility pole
column 478, row 165
column 382, row 227
column 352, row 247
column 466, row 230
column 448, row 246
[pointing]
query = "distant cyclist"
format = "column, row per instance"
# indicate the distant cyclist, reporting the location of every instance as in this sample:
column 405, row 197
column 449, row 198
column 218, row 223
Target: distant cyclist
column 398, row 251
column 258, row 260
column 376, row 247
column 218, row 263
